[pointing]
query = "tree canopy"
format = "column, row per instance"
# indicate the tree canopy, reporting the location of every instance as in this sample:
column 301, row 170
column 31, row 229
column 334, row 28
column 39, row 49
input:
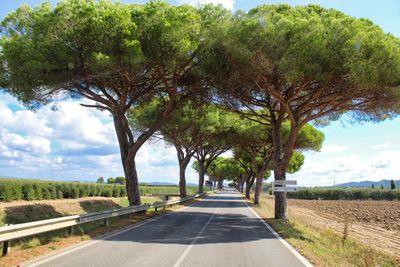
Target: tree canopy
column 302, row 64
column 171, row 69
column 115, row 54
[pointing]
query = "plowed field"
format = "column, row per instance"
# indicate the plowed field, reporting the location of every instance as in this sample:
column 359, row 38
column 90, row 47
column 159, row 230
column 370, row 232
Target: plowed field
column 376, row 223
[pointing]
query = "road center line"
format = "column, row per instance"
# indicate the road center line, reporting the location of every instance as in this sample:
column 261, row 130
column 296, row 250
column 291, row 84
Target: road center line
column 187, row 250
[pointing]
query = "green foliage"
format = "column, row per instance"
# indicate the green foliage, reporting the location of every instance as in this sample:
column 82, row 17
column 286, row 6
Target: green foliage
column 192, row 125
column 120, row 180
column 23, row 189
column 116, row 192
column 392, row 184
column 100, row 180
column 224, row 169
column 345, row 194
column 296, row 162
column 111, row 180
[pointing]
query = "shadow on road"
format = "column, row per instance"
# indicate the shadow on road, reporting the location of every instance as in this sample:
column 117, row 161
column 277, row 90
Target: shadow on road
column 229, row 225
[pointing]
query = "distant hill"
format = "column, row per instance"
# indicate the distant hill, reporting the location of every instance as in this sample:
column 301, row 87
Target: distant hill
column 368, row 184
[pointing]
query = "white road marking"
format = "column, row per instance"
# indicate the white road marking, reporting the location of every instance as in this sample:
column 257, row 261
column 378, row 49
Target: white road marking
column 187, row 250
column 92, row 242
column 283, row 241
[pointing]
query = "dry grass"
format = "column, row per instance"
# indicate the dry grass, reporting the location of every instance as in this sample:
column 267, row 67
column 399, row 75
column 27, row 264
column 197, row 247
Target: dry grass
column 322, row 246
column 29, row 248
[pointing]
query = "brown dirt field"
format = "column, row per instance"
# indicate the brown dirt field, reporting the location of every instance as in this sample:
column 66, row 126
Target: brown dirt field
column 376, row 223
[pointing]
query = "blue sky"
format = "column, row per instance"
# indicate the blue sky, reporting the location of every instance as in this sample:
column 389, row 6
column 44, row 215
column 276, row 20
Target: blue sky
column 76, row 143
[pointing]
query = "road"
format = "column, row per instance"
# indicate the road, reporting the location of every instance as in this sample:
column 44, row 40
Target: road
column 220, row 230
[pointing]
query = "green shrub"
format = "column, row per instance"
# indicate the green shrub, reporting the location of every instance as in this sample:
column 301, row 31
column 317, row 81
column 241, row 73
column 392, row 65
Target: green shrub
column 74, row 191
column 107, row 192
column 345, row 194
column 46, row 194
column 60, row 194
column 5, row 193
column 28, row 192
column 23, row 189
column 116, row 191
column 123, row 191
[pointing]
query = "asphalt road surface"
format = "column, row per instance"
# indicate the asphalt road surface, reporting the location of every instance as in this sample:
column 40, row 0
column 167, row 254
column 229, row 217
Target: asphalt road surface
column 220, row 230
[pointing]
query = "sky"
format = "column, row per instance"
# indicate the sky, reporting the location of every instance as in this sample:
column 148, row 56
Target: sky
column 77, row 143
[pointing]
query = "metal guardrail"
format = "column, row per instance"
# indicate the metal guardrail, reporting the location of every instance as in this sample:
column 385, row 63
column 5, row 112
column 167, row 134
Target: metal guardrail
column 17, row 231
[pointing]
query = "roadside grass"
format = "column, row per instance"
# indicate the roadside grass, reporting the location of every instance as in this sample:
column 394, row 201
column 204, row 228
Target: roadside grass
column 28, row 248
column 323, row 247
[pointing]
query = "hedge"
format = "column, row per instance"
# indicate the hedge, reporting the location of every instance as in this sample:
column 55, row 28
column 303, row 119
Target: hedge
column 23, row 189
column 346, row 194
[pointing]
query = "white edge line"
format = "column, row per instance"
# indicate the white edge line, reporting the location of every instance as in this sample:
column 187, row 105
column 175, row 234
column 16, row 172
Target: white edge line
column 69, row 250
column 283, row 241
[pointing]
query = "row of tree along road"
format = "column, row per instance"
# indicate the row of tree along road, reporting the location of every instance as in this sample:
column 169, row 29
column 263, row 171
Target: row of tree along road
column 204, row 79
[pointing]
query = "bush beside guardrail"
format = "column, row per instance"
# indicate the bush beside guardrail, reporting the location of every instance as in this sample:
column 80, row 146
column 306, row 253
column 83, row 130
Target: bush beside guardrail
column 17, row 231
column 345, row 194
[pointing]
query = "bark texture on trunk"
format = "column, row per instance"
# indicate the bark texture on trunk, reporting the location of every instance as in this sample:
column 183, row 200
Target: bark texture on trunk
column 248, row 188
column 132, row 183
column 280, row 197
column 220, row 182
column 258, row 190
column 128, row 152
column 183, row 160
column 182, row 181
column 249, row 185
column 201, row 176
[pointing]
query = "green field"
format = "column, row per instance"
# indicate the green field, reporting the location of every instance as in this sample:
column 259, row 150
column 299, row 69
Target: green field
column 26, row 189
column 346, row 194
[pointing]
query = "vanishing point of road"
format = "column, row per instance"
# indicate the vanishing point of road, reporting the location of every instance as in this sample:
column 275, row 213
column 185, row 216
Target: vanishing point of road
column 219, row 230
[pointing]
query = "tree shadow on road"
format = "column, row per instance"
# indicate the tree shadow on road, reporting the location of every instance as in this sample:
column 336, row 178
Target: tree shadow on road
column 183, row 227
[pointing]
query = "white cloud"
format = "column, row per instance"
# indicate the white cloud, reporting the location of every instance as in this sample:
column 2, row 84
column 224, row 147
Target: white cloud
column 229, row 4
column 381, row 146
column 74, row 143
column 334, row 148
column 385, row 165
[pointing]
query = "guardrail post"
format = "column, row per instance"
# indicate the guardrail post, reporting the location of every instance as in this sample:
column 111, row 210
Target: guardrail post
column 155, row 209
column 6, row 247
column 71, row 230
column 106, row 222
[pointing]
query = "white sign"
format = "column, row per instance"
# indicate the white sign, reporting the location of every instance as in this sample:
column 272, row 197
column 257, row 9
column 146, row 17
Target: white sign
column 287, row 189
column 285, row 182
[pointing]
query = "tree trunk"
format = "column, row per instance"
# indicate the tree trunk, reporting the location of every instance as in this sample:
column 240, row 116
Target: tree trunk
column 241, row 186
column 257, row 193
column 248, row 188
column 220, row 184
column 132, row 183
column 280, row 197
column 249, row 184
column 183, row 161
column 279, row 173
column 128, row 153
column 182, row 180
column 202, row 172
